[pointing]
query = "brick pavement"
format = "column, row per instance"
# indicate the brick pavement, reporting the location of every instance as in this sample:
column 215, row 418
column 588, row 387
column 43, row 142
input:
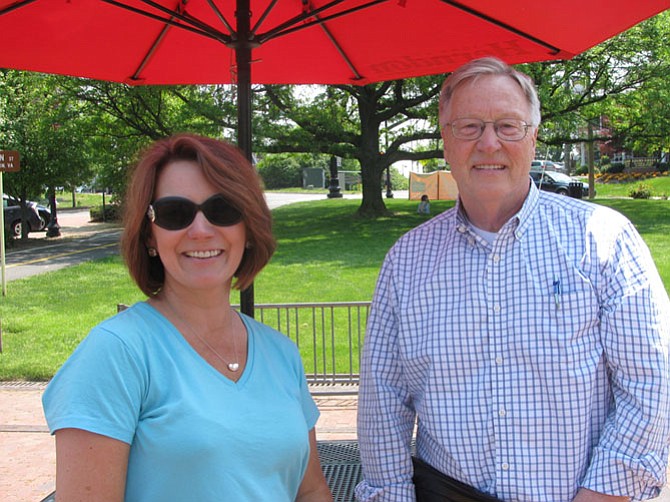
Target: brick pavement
column 27, row 453
column 28, row 457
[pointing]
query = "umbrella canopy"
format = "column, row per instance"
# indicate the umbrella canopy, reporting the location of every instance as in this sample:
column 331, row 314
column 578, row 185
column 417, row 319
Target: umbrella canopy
column 298, row 41
column 145, row 42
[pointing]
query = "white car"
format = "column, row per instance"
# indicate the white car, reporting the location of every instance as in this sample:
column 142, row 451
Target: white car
column 547, row 165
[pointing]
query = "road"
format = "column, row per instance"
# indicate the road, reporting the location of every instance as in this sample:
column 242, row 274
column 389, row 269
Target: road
column 82, row 240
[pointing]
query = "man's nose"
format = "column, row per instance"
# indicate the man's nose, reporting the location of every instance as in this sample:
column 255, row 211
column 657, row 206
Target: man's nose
column 489, row 137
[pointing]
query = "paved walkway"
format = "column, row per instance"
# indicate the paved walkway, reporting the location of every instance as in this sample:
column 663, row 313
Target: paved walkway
column 28, row 457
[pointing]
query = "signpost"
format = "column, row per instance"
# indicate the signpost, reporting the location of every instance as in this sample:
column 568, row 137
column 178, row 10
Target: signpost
column 10, row 163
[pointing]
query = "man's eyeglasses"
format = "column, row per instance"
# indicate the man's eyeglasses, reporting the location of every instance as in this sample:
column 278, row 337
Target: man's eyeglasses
column 505, row 129
column 176, row 213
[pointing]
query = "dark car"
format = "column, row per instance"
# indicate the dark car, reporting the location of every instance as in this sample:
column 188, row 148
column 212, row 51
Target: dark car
column 38, row 215
column 559, row 183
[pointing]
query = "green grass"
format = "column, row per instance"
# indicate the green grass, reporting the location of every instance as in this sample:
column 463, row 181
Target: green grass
column 325, row 254
column 64, row 200
column 660, row 187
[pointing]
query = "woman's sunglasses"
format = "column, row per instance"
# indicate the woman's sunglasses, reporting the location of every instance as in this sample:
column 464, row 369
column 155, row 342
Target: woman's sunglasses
column 176, row 213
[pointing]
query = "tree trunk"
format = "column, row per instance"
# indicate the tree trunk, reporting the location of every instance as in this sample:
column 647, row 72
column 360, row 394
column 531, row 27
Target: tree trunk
column 372, row 162
column 372, row 205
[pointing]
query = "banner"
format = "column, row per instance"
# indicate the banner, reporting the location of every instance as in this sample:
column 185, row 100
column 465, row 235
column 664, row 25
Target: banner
column 438, row 185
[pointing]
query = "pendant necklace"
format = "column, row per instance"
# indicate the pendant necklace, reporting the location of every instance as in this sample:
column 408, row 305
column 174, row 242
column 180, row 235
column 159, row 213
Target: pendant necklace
column 232, row 367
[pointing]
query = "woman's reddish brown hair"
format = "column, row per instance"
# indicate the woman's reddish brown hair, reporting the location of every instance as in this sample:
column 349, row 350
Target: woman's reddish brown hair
column 225, row 167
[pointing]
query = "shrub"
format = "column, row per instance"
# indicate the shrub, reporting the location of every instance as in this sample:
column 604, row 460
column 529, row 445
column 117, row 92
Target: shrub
column 663, row 167
column 280, row 171
column 615, row 168
column 641, row 191
column 112, row 213
column 582, row 170
column 398, row 181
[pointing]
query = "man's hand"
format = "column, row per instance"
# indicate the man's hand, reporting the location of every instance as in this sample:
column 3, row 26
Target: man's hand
column 585, row 495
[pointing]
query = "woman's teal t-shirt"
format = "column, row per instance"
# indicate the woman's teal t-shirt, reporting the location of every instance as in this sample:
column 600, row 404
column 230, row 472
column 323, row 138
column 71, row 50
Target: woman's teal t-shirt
column 193, row 433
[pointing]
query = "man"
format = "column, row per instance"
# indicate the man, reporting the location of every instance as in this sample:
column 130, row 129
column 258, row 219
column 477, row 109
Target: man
column 525, row 333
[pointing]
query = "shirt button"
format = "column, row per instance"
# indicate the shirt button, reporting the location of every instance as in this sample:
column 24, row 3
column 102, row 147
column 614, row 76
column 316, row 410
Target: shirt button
column 505, row 466
column 496, row 309
column 499, row 360
column 496, row 258
column 502, row 412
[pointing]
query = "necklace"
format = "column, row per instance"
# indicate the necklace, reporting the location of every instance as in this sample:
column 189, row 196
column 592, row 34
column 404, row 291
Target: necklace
column 233, row 366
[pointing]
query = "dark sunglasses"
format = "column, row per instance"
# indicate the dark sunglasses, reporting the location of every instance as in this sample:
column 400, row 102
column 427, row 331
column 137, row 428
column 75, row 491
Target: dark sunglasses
column 176, row 213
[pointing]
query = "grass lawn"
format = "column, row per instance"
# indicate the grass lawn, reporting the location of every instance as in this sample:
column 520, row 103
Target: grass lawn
column 660, row 187
column 325, row 254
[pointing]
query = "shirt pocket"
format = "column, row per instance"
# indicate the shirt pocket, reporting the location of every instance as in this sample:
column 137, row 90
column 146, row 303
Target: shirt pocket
column 564, row 332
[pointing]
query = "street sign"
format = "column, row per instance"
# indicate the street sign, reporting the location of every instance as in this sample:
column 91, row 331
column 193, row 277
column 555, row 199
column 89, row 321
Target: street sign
column 9, row 161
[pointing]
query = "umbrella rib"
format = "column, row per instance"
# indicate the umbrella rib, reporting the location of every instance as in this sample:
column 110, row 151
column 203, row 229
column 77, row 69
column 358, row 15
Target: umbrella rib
column 14, row 6
column 289, row 26
column 292, row 26
column 221, row 17
column 553, row 49
column 291, row 23
column 194, row 25
column 187, row 18
column 150, row 52
column 269, row 8
column 340, row 50
column 225, row 22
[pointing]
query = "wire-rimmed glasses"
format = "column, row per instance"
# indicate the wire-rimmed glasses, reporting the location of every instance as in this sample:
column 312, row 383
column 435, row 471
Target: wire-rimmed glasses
column 472, row 129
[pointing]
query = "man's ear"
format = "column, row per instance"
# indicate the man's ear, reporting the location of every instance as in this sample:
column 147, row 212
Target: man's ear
column 444, row 146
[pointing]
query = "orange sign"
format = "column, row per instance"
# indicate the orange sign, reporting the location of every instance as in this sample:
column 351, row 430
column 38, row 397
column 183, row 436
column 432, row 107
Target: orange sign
column 9, row 161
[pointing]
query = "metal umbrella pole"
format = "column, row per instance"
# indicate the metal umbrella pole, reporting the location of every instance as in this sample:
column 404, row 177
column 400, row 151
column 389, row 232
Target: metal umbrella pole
column 243, row 61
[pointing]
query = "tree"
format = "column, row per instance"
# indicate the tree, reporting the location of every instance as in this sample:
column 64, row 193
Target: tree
column 121, row 120
column 624, row 79
column 377, row 124
column 39, row 121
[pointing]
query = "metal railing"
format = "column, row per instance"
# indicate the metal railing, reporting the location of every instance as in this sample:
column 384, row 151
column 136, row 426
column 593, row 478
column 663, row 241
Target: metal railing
column 328, row 335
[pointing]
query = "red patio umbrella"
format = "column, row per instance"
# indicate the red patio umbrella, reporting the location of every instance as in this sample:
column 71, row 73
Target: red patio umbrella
column 296, row 41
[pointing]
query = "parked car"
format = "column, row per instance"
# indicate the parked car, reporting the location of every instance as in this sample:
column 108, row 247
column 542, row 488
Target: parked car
column 38, row 215
column 547, row 165
column 559, row 183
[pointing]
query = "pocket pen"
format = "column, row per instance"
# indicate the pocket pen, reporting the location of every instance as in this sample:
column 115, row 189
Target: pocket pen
column 557, row 293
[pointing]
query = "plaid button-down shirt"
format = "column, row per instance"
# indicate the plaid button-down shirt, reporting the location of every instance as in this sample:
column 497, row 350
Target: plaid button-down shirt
column 533, row 365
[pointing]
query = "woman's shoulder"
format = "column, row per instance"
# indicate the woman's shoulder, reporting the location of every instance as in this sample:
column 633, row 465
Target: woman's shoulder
column 132, row 325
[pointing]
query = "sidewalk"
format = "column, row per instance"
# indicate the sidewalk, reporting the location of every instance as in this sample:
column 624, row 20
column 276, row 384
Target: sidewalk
column 28, row 456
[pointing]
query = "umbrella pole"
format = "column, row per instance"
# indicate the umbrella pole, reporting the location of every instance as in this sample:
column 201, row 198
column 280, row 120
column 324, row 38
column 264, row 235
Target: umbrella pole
column 243, row 61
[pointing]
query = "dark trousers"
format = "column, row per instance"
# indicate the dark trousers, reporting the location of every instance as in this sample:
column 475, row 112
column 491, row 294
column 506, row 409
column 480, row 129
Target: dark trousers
column 432, row 485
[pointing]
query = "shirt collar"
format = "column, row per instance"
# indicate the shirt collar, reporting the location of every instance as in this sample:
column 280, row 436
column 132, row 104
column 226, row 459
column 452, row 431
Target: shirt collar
column 518, row 223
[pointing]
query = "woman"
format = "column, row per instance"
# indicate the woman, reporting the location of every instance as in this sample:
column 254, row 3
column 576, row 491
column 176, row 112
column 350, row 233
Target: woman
column 180, row 397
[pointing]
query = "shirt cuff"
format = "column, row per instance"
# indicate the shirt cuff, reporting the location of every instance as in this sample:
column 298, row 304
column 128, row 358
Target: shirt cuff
column 394, row 493
column 616, row 474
